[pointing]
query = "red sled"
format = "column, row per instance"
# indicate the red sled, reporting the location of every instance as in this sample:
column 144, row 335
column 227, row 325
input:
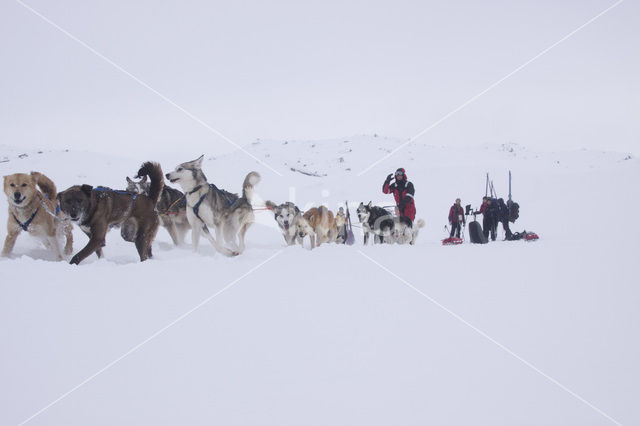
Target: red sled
column 530, row 236
column 451, row 241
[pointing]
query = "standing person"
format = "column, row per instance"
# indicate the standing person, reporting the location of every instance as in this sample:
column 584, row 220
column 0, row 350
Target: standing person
column 456, row 217
column 502, row 216
column 487, row 218
column 403, row 192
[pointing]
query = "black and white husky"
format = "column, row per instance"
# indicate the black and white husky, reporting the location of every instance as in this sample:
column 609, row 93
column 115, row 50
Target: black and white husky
column 209, row 206
column 385, row 227
column 287, row 215
column 171, row 207
column 375, row 221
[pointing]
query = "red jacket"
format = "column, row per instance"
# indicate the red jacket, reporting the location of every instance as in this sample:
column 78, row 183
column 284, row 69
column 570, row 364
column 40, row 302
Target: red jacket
column 455, row 212
column 483, row 207
column 403, row 193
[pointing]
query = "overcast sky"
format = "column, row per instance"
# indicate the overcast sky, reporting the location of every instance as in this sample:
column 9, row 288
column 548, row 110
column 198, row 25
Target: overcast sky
column 309, row 70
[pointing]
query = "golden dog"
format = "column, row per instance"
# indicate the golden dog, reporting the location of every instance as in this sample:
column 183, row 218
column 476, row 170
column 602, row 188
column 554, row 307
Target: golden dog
column 35, row 212
column 319, row 224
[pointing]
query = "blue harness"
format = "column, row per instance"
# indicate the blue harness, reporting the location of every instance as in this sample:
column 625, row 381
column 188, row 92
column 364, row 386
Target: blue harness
column 225, row 194
column 105, row 189
column 25, row 226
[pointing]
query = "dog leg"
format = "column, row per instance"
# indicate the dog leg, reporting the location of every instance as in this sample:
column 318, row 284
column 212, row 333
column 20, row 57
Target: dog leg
column 182, row 231
column 216, row 241
column 195, row 235
column 52, row 240
column 241, row 235
column 312, row 238
column 231, row 231
column 99, row 250
column 68, row 233
column 173, row 233
column 55, row 245
column 10, row 241
column 96, row 242
column 143, row 245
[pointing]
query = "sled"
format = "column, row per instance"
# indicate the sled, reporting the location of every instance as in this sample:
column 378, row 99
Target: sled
column 525, row 236
column 351, row 239
column 451, row 241
column 475, row 233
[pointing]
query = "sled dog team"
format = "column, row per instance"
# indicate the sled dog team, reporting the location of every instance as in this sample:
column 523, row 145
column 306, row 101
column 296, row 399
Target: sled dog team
column 36, row 207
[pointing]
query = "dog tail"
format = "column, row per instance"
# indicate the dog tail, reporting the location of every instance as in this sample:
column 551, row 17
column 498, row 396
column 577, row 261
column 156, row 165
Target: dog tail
column 47, row 187
column 250, row 181
column 270, row 204
column 154, row 171
column 420, row 223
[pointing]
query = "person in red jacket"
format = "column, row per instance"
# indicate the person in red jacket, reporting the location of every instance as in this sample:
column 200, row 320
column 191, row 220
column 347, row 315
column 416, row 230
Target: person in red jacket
column 456, row 217
column 403, row 192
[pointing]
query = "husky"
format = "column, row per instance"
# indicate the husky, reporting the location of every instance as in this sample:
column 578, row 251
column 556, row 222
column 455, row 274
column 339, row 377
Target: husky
column 36, row 213
column 287, row 216
column 98, row 209
column 387, row 228
column 209, row 206
column 319, row 224
column 405, row 231
column 171, row 207
column 376, row 221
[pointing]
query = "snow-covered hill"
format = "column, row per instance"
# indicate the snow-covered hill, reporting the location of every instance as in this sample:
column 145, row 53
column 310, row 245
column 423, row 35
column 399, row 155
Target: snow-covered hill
column 503, row 334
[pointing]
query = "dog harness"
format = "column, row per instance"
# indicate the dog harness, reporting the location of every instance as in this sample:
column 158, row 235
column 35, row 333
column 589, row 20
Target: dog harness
column 182, row 201
column 25, row 226
column 105, row 189
column 44, row 205
column 196, row 207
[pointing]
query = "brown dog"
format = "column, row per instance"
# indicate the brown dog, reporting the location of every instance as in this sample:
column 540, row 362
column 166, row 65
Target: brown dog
column 35, row 212
column 97, row 209
column 318, row 221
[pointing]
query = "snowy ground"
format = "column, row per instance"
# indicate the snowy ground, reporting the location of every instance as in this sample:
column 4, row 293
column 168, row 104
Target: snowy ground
column 510, row 333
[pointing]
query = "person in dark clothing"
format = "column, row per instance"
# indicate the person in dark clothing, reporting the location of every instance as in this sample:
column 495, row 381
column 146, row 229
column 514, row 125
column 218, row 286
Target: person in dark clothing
column 403, row 192
column 487, row 220
column 495, row 211
column 502, row 216
column 456, row 218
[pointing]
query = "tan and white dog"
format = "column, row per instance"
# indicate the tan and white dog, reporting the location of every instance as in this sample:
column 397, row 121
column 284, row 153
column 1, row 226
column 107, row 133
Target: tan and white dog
column 319, row 224
column 36, row 213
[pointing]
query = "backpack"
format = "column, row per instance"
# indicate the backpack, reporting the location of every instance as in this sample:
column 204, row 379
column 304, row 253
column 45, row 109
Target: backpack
column 514, row 211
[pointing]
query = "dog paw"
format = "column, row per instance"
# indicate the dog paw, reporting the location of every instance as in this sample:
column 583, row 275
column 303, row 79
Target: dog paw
column 234, row 253
column 75, row 260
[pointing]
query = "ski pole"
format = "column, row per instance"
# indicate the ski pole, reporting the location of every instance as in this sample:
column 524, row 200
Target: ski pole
column 486, row 186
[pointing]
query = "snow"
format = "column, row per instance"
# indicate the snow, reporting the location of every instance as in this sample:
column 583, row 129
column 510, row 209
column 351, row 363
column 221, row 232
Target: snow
column 507, row 333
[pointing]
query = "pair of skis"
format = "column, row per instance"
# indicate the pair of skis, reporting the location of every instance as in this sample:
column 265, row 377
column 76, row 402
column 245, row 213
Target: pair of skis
column 489, row 186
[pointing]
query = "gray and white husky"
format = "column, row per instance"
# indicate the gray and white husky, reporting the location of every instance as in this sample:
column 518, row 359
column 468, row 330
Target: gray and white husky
column 171, row 207
column 385, row 227
column 209, row 206
column 287, row 215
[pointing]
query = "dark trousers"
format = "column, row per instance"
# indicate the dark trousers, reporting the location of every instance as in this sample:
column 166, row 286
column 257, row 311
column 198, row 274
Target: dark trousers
column 455, row 228
column 489, row 226
column 507, row 232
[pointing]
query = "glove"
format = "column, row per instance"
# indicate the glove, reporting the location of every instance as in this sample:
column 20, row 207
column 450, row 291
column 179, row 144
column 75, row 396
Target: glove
column 389, row 177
